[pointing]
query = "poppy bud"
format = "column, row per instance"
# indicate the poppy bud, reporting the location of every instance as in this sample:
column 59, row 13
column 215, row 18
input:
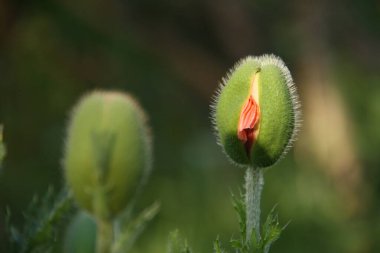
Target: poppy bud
column 256, row 111
column 107, row 152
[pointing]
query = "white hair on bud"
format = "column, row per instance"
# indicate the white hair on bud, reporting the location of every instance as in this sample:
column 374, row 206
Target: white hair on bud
column 214, row 102
column 270, row 59
column 264, row 60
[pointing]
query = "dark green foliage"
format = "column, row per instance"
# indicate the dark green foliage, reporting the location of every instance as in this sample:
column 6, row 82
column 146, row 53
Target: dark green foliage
column 270, row 232
column 44, row 219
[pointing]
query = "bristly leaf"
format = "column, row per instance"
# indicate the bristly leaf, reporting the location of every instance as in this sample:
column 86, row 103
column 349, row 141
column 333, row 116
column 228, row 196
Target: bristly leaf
column 128, row 235
column 270, row 232
column 239, row 206
column 177, row 244
column 43, row 221
column 271, row 229
column 217, row 246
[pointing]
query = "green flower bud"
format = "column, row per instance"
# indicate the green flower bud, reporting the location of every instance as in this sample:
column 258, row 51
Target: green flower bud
column 256, row 111
column 107, row 153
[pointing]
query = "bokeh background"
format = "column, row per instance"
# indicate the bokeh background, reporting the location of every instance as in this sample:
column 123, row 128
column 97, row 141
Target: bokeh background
column 171, row 56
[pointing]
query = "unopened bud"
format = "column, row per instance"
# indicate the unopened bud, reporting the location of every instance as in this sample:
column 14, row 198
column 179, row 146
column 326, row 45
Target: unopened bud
column 256, row 111
column 107, row 152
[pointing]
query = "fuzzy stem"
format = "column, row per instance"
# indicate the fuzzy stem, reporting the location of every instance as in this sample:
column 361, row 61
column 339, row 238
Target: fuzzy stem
column 104, row 236
column 254, row 182
column 105, row 231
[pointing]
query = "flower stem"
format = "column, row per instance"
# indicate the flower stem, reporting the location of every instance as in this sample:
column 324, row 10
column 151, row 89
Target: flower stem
column 104, row 236
column 105, row 230
column 254, row 182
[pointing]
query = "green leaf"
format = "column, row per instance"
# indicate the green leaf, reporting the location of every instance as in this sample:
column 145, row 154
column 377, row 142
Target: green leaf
column 255, row 243
column 43, row 221
column 217, row 246
column 271, row 230
column 239, row 206
column 129, row 233
column 177, row 244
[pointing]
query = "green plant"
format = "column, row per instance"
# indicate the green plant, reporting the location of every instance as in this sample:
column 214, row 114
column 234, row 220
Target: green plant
column 43, row 222
column 256, row 116
column 176, row 244
column 108, row 158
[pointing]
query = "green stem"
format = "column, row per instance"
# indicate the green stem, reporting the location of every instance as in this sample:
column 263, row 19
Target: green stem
column 254, row 182
column 105, row 230
column 104, row 236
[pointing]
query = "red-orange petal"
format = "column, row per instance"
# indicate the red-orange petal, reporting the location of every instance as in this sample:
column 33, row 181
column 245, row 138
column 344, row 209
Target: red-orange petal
column 249, row 117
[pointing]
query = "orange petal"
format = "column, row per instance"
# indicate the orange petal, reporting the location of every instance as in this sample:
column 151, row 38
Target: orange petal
column 249, row 117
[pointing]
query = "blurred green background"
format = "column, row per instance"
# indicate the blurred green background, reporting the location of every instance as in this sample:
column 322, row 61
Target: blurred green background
column 171, row 56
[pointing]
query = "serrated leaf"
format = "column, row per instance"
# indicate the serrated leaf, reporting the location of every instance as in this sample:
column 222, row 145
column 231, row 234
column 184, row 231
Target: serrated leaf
column 217, row 246
column 128, row 235
column 255, row 243
column 176, row 244
column 239, row 206
column 236, row 244
column 271, row 230
column 43, row 220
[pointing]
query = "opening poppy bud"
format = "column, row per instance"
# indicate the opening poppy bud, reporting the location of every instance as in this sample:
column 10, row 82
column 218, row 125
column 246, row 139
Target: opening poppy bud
column 256, row 111
column 107, row 152
column 249, row 117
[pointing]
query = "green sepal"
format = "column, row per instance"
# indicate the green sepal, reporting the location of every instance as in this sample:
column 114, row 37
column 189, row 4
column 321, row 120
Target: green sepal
column 228, row 104
column 277, row 116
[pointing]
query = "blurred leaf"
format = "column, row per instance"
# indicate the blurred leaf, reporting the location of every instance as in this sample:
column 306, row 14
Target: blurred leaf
column 177, row 244
column 128, row 234
column 217, row 246
column 43, row 221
